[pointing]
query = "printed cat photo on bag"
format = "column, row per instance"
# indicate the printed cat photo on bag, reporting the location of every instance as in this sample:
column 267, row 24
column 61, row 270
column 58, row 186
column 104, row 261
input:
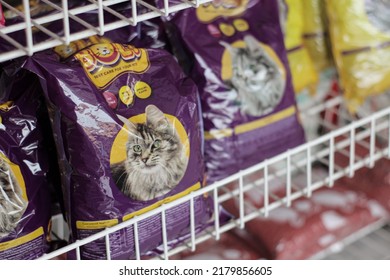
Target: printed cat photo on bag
column 156, row 158
column 258, row 79
column 12, row 204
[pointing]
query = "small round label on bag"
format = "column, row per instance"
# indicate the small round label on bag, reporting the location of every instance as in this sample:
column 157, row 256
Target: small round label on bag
column 227, row 29
column 241, row 24
column 110, row 99
column 126, row 95
column 142, row 90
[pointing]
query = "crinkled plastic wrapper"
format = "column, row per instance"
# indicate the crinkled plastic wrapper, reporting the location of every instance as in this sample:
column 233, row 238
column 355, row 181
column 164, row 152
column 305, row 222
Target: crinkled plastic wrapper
column 304, row 74
column 24, row 192
column 241, row 69
column 360, row 42
column 128, row 129
column 315, row 33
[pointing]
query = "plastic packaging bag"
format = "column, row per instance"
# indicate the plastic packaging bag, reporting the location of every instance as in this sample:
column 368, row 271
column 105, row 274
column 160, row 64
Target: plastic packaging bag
column 24, row 190
column 315, row 33
column 241, row 69
column 303, row 72
column 360, row 42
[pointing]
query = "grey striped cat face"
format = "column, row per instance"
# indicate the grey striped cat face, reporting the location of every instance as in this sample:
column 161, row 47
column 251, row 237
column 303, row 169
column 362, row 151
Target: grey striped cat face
column 155, row 157
column 151, row 146
column 256, row 77
column 252, row 68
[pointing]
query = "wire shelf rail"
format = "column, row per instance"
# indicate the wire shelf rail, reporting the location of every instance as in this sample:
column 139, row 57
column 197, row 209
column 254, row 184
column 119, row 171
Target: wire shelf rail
column 63, row 14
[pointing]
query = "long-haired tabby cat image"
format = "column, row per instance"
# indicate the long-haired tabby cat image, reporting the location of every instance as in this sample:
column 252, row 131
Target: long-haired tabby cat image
column 256, row 77
column 378, row 13
column 12, row 204
column 155, row 157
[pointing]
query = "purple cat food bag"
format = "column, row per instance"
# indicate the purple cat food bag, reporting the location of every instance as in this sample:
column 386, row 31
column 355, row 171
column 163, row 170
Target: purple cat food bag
column 24, row 193
column 238, row 60
column 128, row 129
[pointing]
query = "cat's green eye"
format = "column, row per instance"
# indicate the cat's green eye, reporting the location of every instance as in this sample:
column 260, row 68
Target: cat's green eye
column 137, row 148
column 157, row 144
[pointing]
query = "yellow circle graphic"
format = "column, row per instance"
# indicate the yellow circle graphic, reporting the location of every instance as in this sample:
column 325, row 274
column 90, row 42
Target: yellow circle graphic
column 241, row 24
column 142, row 90
column 118, row 149
column 15, row 169
column 227, row 29
column 126, row 95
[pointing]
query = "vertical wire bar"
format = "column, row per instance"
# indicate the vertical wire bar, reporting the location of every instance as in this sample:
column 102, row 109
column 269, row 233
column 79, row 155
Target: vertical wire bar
column 101, row 17
column 372, row 143
column 164, row 234
column 216, row 214
column 331, row 162
column 166, row 7
column 266, row 194
column 78, row 255
column 108, row 248
column 136, row 241
column 352, row 153
column 241, row 200
column 27, row 19
column 288, row 180
column 308, row 172
column 134, row 12
column 192, row 223
column 65, row 11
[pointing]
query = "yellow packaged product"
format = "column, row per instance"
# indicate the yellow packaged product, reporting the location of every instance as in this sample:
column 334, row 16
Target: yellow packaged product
column 302, row 68
column 315, row 33
column 360, row 33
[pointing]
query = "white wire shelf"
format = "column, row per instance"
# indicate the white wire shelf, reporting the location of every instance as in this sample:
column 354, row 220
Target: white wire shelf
column 371, row 132
column 16, row 32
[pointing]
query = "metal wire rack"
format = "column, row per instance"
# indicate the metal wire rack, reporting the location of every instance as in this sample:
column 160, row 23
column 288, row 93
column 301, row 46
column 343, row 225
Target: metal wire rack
column 18, row 31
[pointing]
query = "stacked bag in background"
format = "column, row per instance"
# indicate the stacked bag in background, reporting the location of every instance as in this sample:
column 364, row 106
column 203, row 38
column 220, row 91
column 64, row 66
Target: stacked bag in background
column 360, row 42
column 309, row 225
column 303, row 72
column 25, row 194
column 315, row 34
column 234, row 52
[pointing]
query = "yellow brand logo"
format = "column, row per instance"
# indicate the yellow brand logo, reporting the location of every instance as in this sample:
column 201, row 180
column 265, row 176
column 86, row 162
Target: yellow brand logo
column 105, row 62
column 220, row 8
